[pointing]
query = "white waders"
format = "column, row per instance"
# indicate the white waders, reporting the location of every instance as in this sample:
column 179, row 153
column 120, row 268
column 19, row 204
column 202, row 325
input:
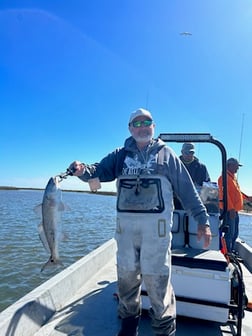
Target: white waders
column 143, row 234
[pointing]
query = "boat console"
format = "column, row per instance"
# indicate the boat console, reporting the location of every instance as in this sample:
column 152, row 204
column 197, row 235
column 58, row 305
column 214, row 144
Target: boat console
column 208, row 284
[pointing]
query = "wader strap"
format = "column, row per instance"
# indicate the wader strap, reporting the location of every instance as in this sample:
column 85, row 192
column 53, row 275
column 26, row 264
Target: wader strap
column 162, row 157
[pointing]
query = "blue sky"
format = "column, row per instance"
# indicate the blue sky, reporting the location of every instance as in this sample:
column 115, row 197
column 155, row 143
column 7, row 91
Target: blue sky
column 71, row 72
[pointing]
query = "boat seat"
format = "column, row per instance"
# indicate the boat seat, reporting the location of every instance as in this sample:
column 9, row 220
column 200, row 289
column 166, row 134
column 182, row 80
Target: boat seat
column 199, row 258
column 201, row 278
column 202, row 283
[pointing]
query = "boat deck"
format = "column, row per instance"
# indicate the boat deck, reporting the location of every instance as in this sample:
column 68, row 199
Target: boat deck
column 93, row 311
column 81, row 300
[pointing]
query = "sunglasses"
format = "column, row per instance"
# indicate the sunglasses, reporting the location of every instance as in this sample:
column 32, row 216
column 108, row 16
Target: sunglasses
column 139, row 123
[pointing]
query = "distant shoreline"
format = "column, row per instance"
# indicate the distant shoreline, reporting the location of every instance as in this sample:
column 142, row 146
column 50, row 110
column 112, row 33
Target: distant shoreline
column 246, row 209
column 105, row 193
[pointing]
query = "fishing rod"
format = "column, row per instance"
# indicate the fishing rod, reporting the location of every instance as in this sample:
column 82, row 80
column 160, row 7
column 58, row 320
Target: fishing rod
column 94, row 183
column 241, row 138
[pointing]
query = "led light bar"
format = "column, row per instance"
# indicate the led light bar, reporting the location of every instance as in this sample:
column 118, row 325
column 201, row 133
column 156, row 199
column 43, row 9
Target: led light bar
column 186, row 137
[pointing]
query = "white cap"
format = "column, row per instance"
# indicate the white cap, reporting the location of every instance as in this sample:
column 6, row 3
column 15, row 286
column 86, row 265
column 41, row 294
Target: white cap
column 140, row 112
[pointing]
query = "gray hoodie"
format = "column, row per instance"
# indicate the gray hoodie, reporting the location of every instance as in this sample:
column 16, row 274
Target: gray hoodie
column 128, row 160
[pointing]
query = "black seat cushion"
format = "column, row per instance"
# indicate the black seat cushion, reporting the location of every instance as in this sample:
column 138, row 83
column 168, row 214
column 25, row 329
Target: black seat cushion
column 199, row 258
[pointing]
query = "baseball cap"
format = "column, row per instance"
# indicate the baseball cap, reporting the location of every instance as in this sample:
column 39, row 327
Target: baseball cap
column 140, row 112
column 188, row 148
column 234, row 162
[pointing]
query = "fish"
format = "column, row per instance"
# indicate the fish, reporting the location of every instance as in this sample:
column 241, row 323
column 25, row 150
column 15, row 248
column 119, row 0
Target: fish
column 49, row 229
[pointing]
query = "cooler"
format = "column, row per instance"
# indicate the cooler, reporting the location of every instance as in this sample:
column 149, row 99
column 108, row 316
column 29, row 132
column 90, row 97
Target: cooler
column 202, row 284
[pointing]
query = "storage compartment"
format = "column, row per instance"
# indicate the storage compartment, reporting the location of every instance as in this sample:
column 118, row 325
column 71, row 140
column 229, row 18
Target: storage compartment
column 202, row 284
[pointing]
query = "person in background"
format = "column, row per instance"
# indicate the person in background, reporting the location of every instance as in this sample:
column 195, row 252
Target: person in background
column 235, row 199
column 196, row 169
column 147, row 171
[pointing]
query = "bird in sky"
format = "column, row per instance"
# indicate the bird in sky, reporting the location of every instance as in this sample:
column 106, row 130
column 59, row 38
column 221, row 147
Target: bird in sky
column 186, row 33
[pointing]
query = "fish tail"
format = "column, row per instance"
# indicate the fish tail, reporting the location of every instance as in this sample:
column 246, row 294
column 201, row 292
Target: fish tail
column 51, row 262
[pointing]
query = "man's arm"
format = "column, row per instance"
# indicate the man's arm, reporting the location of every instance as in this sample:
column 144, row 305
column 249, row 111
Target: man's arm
column 184, row 188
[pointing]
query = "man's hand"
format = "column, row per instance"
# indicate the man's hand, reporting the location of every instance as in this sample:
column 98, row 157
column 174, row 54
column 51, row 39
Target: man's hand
column 205, row 232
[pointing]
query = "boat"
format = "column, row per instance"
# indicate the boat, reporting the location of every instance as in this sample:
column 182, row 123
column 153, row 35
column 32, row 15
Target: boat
column 213, row 288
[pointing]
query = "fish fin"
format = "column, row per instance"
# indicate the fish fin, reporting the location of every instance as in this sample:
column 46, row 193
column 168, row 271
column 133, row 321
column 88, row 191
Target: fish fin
column 51, row 262
column 63, row 207
column 67, row 207
column 38, row 209
column 64, row 236
column 42, row 237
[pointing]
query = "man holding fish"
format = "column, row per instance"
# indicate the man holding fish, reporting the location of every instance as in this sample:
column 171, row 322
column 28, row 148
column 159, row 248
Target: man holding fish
column 147, row 173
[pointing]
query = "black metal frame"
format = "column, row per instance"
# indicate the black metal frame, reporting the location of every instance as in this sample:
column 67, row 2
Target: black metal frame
column 237, row 309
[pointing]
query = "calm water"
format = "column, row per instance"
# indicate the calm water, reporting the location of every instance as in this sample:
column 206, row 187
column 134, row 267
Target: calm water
column 88, row 223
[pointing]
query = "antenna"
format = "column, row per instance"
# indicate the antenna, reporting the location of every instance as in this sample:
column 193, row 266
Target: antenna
column 241, row 136
column 242, row 127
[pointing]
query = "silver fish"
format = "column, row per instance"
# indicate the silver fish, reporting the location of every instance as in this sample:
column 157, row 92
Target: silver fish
column 49, row 229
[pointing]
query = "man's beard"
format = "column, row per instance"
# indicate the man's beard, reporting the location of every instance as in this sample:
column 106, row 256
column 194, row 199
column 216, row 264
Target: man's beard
column 144, row 138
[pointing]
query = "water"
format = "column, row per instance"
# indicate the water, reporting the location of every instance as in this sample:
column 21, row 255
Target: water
column 245, row 228
column 88, row 223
